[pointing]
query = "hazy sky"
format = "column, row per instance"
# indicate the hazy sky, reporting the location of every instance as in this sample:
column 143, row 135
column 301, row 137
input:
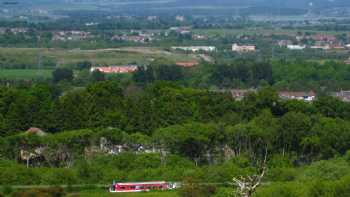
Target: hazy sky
column 278, row 3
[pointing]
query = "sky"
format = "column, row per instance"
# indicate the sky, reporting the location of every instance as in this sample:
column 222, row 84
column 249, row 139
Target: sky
column 287, row 3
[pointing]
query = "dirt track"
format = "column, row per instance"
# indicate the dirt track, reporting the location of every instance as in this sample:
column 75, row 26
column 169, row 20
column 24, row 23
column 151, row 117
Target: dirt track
column 142, row 50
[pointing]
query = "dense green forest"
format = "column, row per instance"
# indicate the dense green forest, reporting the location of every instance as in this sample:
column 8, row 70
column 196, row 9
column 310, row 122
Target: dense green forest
column 169, row 132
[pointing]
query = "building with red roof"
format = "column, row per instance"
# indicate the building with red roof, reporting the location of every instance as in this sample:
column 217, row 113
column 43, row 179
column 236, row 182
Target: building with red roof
column 115, row 69
column 187, row 64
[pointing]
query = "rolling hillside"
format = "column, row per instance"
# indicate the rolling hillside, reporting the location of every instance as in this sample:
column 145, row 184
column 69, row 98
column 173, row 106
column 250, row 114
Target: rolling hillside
column 200, row 7
column 282, row 3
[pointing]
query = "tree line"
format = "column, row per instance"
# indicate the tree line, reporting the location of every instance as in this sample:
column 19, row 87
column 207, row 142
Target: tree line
column 184, row 119
column 245, row 73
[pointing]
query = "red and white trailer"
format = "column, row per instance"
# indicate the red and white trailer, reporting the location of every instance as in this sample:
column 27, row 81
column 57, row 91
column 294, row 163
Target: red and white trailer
column 142, row 186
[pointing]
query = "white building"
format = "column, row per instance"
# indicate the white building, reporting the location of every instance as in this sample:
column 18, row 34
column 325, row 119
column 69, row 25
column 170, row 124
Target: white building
column 296, row 47
column 243, row 48
column 326, row 47
column 180, row 18
column 304, row 96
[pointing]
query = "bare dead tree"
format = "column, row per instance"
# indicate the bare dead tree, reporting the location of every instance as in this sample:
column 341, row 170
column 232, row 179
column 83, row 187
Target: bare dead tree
column 246, row 186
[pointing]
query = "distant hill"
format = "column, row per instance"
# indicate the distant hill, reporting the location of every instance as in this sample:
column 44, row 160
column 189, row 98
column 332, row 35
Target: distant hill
column 279, row 3
column 282, row 3
column 200, row 7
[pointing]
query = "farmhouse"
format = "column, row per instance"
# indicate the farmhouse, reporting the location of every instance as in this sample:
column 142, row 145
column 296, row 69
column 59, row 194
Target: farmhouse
column 243, row 48
column 19, row 30
column 239, row 94
column 343, row 95
column 326, row 38
column 71, row 35
column 139, row 38
column 305, row 96
column 115, row 69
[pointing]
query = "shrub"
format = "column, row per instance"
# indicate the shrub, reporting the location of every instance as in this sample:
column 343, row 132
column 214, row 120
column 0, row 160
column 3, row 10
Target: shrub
column 49, row 192
column 282, row 174
column 281, row 190
column 191, row 188
column 320, row 189
column 347, row 156
column 62, row 74
column 326, row 170
column 59, row 176
column 223, row 192
column 7, row 190
column 342, row 187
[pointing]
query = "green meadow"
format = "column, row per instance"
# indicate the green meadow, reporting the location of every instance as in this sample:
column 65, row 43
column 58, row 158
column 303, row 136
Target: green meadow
column 102, row 193
column 25, row 74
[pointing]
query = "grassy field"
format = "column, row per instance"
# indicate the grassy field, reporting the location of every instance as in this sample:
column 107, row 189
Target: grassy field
column 25, row 74
column 107, row 194
column 51, row 58
column 139, row 55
